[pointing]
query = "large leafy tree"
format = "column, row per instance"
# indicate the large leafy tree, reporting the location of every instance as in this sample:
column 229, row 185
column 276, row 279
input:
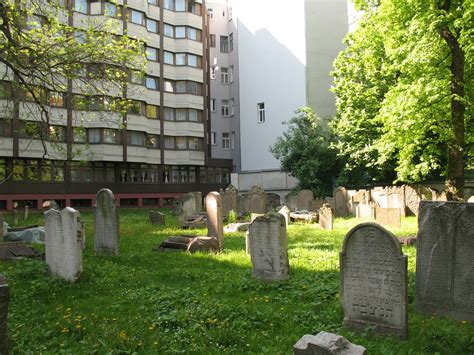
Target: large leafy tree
column 43, row 52
column 404, row 90
column 305, row 152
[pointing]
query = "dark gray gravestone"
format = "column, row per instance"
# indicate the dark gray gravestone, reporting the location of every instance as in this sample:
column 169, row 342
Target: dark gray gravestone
column 445, row 260
column 374, row 280
column 106, row 223
column 4, row 299
column 325, row 344
column 157, row 218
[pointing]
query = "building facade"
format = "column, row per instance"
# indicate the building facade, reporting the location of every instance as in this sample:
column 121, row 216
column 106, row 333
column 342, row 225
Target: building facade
column 155, row 152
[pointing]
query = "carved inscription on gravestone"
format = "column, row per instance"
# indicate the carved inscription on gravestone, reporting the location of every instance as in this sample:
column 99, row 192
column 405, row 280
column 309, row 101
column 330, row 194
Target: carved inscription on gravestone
column 374, row 280
column 4, row 299
column 445, row 260
column 63, row 243
column 269, row 247
column 106, row 223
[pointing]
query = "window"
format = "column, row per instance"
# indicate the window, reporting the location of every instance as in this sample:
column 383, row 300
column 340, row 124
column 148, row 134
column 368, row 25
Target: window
column 169, row 4
column 151, row 83
column 225, row 141
column 225, row 108
column 80, row 6
column 79, row 135
column 134, row 107
column 6, row 91
column 152, row 141
column 180, row 5
column 169, row 58
column 224, row 76
column 210, row 13
column 136, row 77
column 169, row 114
column 232, row 140
column 180, row 87
column 181, row 143
column 110, row 135
column 180, row 58
column 57, row 133
column 168, row 30
column 94, row 135
column 111, row 10
column 192, row 60
column 56, row 99
column 152, row 111
column 152, row 54
column 151, row 25
column 137, row 138
column 181, row 114
column 213, row 105
column 180, row 32
column 153, row 2
column 224, row 44
column 232, row 107
column 213, row 40
column 213, row 138
column 231, row 42
column 212, row 72
column 6, row 128
column 193, row 115
column 261, row 112
column 194, row 88
column 192, row 34
column 137, row 17
column 169, row 87
column 194, row 143
column 169, row 142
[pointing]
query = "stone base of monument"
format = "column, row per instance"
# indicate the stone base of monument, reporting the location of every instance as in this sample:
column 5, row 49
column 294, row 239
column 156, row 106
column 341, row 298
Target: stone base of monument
column 304, row 216
column 17, row 250
column 190, row 243
column 361, row 326
column 407, row 240
column 326, row 343
column 197, row 221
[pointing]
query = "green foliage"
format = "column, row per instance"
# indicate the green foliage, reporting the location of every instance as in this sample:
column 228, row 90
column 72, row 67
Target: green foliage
column 148, row 302
column 232, row 216
column 304, row 151
column 393, row 87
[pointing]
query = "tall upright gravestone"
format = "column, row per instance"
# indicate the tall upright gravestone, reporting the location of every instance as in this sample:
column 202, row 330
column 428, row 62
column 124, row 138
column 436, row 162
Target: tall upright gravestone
column 63, row 243
column 374, row 280
column 268, row 246
column 215, row 224
column 340, row 202
column 326, row 217
column 4, row 299
column 445, row 260
column 305, row 199
column 106, row 223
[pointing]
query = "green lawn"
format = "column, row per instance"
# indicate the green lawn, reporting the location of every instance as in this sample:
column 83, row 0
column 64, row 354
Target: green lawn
column 150, row 302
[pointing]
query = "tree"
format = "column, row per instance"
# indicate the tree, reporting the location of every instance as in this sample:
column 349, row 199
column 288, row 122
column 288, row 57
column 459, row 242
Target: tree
column 304, row 151
column 45, row 59
column 405, row 80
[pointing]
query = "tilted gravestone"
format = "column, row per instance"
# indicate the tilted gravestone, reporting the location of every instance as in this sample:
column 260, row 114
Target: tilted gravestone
column 305, row 199
column 215, row 224
column 325, row 344
column 268, row 245
column 156, row 217
column 388, row 216
column 326, row 217
column 374, row 280
column 63, row 244
column 444, row 260
column 106, row 223
column 4, row 300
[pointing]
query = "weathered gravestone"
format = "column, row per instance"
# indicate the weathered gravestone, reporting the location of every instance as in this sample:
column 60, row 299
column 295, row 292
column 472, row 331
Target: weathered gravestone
column 190, row 203
column 15, row 217
column 305, row 199
column 292, row 202
column 445, row 260
column 272, row 201
column 215, row 224
column 374, row 280
column 364, row 211
column 326, row 217
column 325, row 344
column 63, row 244
column 4, row 300
column 340, row 202
column 26, row 214
column 257, row 200
column 285, row 212
column 156, row 217
column 269, row 247
column 106, row 223
column 81, row 232
column 229, row 200
column 388, row 216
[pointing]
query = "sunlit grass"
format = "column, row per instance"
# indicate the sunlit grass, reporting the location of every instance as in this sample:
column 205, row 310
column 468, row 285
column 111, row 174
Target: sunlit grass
column 155, row 302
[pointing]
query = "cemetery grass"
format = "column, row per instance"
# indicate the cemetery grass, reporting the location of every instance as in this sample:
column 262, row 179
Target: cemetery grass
column 144, row 301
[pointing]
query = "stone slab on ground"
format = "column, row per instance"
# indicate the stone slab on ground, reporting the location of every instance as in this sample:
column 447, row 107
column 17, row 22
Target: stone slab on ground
column 190, row 243
column 325, row 344
column 17, row 250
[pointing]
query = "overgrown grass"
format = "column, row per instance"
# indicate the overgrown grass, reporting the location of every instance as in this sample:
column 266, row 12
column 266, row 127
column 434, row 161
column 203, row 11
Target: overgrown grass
column 150, row 302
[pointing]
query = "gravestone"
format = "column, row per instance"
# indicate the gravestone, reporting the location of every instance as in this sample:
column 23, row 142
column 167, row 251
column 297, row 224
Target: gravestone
column 257, row 200
column 374, row 280
column 316, row 204
column 269, row 247
column 444, row 260
column 63, row 244
column 388, row 216
column 25, row 216
column 106, row 223
column 340, row 202
column 285, row 212
column 189, row 206
column 272, row 201
column 229, row 200
column 15, row 217
column 305, row 199
column 4, row 300
column 197, row 201
column 156, row 217
column 326, row 217
column 215, row 224
column 292, row 202
column 325, row 344
column 364, row 211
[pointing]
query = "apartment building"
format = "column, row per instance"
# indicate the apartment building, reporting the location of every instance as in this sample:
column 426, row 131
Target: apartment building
column 268, row 58
column 156, row 152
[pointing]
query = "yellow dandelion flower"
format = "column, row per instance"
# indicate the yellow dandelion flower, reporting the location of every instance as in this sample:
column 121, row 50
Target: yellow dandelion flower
column 65, row 330
column 78, row 326
column 122, row 334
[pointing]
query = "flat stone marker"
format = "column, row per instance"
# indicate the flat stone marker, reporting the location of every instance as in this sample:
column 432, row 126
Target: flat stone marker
column 326, row 343
column 374, row 280
column 106, row 223
column 388, row 216
column 4, row 300
column 156, row 218
column 326, row 217
column 215, row 224
column 63, row 245
column 445, row 260
column 268, row 246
